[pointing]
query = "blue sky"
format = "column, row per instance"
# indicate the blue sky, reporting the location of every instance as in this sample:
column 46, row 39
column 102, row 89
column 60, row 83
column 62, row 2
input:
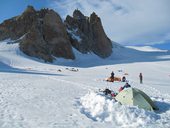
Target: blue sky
column 128, row 22
column 10, row 8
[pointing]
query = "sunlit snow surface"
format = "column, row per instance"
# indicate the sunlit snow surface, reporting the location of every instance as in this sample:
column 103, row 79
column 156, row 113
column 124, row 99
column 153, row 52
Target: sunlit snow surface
column 34, row 94
column 146, row 48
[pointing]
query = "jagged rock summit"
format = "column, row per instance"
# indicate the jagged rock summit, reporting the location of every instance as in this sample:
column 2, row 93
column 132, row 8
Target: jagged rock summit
column 45, row 36
column 92, row 37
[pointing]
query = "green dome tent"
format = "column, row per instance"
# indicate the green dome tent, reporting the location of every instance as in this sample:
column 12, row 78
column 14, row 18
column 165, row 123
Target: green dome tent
column 135, row 97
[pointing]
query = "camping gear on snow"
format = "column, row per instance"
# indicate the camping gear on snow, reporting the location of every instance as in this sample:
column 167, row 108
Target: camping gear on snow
column 126, row 74
column 120, row 89
column 110, row 79
column 117, row 79
column 134, row 96
column 108, row 92
column 120, row 70
column 113, row 94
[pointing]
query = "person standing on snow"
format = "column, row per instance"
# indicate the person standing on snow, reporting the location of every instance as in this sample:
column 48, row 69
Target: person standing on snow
column 123, row 79
column 112, row 75
column 141, row 78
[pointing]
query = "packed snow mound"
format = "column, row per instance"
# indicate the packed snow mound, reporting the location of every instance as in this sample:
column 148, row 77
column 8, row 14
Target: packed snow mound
column 146, row 49
column 103, row 109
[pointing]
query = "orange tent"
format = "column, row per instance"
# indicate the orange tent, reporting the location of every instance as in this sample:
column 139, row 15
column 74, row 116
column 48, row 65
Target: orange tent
column 110, row 79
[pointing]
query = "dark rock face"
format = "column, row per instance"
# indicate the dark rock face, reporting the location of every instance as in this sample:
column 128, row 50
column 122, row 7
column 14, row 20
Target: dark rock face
column 33, row 44
column 16, row 27
column 45, row 34
column 91, row 34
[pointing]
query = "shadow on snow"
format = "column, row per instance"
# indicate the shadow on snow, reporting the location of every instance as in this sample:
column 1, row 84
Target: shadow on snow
column 125, row 55
column 7, row 69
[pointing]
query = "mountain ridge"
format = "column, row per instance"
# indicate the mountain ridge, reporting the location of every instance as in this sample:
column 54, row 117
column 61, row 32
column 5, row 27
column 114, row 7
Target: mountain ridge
column 47, row 37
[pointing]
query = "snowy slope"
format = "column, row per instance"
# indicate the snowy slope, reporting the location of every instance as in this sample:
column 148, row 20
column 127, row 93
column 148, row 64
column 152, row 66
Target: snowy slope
column 34, row 94
column 147, row 48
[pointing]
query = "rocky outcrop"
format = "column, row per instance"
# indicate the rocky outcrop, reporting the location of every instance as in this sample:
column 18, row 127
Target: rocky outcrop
column 87, row 34
column 16, row 27
column 45, row 34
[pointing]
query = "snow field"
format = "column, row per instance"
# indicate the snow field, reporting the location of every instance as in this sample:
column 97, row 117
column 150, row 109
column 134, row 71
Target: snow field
column 34, row 94
column 102, row 109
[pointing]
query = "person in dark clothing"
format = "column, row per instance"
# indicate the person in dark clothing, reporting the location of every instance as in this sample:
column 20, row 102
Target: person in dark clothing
column 141, row 78
column 107, row 91
column 127, row 85
column 112, row 74
column 123, row 79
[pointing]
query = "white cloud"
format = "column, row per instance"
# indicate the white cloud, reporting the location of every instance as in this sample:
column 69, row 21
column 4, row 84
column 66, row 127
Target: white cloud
column 125, row 21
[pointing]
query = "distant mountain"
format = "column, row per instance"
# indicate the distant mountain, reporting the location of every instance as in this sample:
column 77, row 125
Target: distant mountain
column 42, row 34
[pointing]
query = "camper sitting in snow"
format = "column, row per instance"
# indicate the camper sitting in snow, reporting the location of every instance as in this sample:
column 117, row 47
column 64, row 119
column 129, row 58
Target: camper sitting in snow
column 127, row 85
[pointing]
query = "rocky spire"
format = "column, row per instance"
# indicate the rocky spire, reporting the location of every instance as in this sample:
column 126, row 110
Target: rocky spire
column 94, row 18
column 29, row 9
column 78, row 15
column 91, row 33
